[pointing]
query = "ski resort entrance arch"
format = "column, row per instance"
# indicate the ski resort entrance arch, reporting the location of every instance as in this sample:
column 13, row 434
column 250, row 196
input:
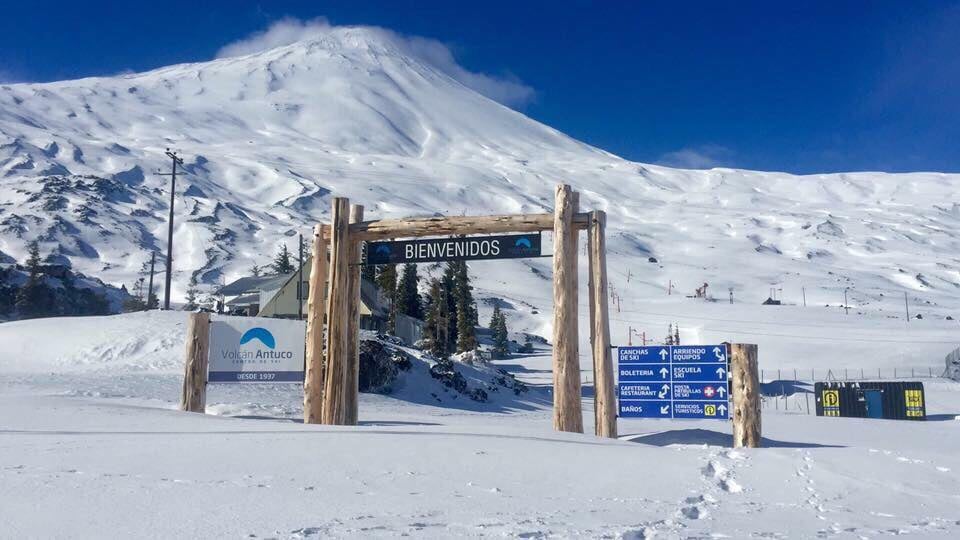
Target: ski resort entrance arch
column 331, row 383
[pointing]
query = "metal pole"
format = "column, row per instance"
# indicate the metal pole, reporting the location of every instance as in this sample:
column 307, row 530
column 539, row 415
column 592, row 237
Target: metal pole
column 906, row 305
column 846, row 306
column 173, row 187
column 153, row 260
column 804, row 290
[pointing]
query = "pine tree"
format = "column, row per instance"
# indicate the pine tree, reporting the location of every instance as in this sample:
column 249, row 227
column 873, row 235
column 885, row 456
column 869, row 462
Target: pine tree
column 498, row 330
column 435, row 327
column 282, row 264
column 466, row 309
column 256, row 270
column 136, row 302
column 386, row 281
column 192, row 293
column 34, row 299
column 8, row 292
column 368, row 271
column 503, row 336
column 448, row 284
column 408, row 298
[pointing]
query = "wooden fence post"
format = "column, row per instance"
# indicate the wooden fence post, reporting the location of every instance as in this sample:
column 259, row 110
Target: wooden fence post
column 338, row 315
column 746, row 396
column 567, row 414
column 194, row 395
column 604, row 396
column 352, row 371
column 316, row 309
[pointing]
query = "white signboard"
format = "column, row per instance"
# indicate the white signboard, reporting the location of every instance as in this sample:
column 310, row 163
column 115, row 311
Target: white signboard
column 256, row 350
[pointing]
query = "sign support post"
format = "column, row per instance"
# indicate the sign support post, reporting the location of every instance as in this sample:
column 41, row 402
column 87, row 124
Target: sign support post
column 567, row 412
column 746, row 396
column 605, row 402
column 194, row 395
column 316, row 307
column 351, row 391
column 338, row 315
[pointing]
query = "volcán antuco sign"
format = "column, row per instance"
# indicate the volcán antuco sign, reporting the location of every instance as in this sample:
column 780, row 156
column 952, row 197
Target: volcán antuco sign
column 513, row 246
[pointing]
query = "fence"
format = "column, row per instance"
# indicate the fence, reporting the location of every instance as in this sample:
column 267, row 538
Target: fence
column 813, row 375
column 791, row 390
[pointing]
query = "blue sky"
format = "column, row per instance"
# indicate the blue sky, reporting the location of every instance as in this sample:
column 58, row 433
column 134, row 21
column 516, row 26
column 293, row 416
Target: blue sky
column 801, row 86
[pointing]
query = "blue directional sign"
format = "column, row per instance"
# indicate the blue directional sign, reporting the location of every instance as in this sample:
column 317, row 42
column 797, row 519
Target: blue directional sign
column 679, row 381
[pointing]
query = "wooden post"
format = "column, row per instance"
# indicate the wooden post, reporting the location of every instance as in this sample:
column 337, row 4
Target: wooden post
column 352, row 372
column 604, row 396
column 746, row 396
column 567, row 415
column 338, row 315
column 316, row 307
column 194, row 395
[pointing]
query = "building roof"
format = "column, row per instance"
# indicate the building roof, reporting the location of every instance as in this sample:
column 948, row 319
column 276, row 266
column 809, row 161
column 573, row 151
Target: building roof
column 245, row 300
column 250, row 284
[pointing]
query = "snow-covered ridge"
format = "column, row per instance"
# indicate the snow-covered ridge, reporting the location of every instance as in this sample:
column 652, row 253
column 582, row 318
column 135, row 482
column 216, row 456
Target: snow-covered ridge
column 269, row 137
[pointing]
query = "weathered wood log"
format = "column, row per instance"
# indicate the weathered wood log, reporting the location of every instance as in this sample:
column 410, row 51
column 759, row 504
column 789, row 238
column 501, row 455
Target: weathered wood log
column 450, row 225
column 352, row 372
column 567, row 414
column 605, row 403
column 746, row 395
column 338, row 315
column 193, row 398
column 316, row 309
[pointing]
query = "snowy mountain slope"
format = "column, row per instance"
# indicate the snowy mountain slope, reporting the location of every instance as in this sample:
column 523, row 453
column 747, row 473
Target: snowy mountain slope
column 268, row 138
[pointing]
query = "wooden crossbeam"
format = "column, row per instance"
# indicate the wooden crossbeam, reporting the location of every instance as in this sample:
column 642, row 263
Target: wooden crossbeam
column 449, row 225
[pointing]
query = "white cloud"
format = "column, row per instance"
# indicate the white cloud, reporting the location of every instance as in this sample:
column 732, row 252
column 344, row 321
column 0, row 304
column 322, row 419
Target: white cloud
column 698, row 157
column 282, row 32
column 506, row 89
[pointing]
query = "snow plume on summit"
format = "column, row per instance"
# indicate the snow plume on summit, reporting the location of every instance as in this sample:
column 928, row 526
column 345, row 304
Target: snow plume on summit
column 508, row 89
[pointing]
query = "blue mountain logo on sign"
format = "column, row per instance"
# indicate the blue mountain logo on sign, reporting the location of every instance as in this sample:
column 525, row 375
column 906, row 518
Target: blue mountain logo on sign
column 523, row 242
column 383, row 248
column 260, row 334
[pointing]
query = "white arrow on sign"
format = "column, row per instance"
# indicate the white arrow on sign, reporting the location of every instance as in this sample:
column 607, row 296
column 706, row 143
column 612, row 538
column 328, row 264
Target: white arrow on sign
column 721, row 390
column 664, row 390
column 664, row 372
column 721, row 372
column 722, row 409
column 721, row 357
column 663, row 354
column 665, row 409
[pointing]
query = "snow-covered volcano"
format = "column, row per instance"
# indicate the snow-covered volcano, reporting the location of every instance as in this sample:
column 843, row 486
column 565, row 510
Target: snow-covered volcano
column 268, row 138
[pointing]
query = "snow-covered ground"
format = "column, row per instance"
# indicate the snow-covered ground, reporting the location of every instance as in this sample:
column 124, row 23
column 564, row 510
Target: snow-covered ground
column 91, row 446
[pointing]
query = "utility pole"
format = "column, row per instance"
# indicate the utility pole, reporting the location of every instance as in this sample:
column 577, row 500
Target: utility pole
column 173, row 185
column 300, row 280
column 153, row 260
column 906, row 305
